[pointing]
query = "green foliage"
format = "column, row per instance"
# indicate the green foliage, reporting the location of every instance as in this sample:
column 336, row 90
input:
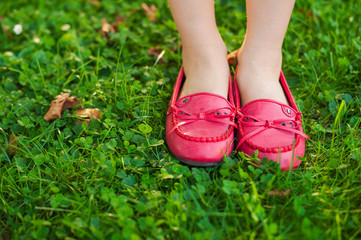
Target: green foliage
column 117, row 179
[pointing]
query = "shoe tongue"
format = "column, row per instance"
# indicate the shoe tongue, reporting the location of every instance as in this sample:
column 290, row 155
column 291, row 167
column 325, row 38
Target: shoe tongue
column 268, row 110
column 202, row 102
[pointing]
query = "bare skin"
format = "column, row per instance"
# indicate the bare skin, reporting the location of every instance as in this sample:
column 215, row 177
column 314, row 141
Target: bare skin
column 260, row 57
column 204, row 52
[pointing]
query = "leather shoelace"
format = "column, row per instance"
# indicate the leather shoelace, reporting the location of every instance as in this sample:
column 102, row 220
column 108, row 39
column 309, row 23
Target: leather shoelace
column 263, row 125
column 220, row 115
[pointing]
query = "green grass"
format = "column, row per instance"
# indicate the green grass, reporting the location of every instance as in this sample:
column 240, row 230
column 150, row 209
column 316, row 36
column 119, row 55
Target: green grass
column 116, row 179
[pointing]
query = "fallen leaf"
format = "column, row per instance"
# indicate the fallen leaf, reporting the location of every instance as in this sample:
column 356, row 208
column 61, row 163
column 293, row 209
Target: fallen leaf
column 94, row 2
column 87, row 114
column 118, row 20
column 232, row 57
column 106, row 28
column 110, row 28
column 279, row 193
column 70, row 103
column 60, row 104
column 155, row 51
column 7, row 31
column 158, row 52
column 150, row 11
column 308, row 14
column 12, row 144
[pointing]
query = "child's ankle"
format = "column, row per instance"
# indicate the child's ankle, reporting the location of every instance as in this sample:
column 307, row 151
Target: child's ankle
column 206, row 69
column 258, row 74
column 268, row 60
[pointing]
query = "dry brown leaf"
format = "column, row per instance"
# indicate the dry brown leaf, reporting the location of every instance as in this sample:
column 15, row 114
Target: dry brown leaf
column 279, row 193
column 231, row 57
column 60, row 104
column 150, row 11
column 87, row 114
column 94, row 2
column 308, row 14
column 118, row 20
column 12, row 144
column 110, row 28
column 70, row 103
column 7, row 31
column 106, row 28
column 154, row 51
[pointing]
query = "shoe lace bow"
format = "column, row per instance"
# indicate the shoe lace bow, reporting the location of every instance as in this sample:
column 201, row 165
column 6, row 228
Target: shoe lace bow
column 220, row 115
column 281, row 124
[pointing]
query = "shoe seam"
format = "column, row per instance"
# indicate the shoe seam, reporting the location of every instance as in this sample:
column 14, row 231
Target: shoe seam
column 248, row 105
column 190, row 98
column 220, row 138
column 286, row 148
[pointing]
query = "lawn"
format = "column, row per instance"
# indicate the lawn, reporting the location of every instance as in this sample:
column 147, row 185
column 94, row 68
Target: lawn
column 116, row 179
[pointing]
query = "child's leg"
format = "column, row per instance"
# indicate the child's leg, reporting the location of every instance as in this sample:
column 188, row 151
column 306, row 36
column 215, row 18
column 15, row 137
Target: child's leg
column 260, row 57
column 204, row 53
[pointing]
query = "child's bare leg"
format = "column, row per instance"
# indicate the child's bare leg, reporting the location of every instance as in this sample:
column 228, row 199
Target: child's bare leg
column 204, row 53
column 260, row 57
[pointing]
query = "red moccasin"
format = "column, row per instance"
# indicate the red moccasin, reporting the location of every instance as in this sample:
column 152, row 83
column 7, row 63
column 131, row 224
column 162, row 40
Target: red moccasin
column 272, row 128
column 199, row 129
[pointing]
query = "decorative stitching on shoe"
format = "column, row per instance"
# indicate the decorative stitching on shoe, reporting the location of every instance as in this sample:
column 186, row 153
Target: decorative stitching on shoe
column 263, row 125
column 274, row 149
column 180, row 103
column 173, row 110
